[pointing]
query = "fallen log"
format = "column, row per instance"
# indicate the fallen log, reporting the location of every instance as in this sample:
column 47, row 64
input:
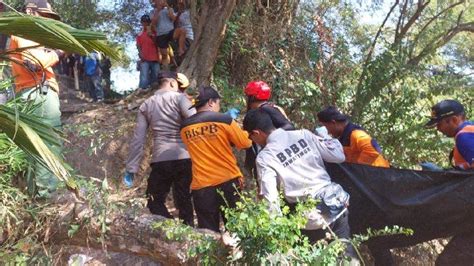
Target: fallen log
column 134, row 236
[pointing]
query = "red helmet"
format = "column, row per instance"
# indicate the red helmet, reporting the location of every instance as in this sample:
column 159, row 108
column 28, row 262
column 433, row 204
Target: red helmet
column 258, row 90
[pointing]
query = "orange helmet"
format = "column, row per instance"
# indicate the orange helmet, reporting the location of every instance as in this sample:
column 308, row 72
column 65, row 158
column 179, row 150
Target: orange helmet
column 258, row 90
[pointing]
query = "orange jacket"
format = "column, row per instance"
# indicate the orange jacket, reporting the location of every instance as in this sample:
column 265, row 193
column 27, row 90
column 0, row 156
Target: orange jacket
column 360, row 148
column 209, row 137
column 25, row 79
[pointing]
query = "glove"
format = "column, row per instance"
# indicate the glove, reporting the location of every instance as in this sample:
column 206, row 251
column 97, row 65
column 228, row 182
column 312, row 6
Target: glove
column 322, row 132
column 233, row 112
column 429, row 166
column 128, row 179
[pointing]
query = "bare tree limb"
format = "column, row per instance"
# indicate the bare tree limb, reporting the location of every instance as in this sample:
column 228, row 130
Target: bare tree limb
column 441, row 40
column 404, row 30
column 400, row 19
column 369, row 54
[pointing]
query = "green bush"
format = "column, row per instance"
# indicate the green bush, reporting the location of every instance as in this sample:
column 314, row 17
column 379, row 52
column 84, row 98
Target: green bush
column 264, row 238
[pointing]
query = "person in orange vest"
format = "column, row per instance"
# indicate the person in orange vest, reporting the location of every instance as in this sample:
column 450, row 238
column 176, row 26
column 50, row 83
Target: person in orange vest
column 449, row 118
column 35, row 81
column 209, row 137
column 359, row 146
column 32, row 69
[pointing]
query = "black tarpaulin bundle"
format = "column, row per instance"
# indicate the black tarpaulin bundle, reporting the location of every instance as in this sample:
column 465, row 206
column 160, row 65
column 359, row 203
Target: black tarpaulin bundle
column 433, row 204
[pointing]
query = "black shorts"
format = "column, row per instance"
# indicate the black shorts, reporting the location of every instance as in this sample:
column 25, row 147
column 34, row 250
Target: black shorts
column 163, row 40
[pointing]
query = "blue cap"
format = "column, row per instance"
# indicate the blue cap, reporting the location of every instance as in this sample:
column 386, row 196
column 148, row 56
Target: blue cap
column 444, row 109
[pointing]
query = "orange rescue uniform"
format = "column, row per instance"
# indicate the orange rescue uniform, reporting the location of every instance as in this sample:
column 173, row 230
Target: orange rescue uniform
column 209, row 137
column 25, row 79
column 360, row 148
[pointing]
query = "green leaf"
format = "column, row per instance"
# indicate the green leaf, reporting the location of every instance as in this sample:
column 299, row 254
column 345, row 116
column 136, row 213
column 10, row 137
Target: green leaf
column 55, row 34
column 23, row 135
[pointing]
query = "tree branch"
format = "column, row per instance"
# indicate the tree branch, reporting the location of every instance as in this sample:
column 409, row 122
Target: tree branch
column 369, row 55
column 441, row 40
column 400, row 19
column 406, row 28
column 439, row 14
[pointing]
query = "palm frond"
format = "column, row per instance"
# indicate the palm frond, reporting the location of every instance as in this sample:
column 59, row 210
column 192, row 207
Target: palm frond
column 30, row 139
column 55, row 34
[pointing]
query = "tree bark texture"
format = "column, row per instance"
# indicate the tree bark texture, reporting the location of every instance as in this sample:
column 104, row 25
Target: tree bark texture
column 212, row 17
column 128, row 234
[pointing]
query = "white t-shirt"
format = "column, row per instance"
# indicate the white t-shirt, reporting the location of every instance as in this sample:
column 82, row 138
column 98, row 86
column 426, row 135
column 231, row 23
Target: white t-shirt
column 164, row 24
column 185, row 23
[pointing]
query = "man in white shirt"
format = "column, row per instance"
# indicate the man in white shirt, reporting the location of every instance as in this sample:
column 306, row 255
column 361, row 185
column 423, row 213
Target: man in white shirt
column 294, row 161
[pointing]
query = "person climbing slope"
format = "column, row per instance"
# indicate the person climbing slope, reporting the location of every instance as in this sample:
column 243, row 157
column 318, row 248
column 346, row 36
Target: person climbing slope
column 163, row 113
column 258, row 94
column 209, row 137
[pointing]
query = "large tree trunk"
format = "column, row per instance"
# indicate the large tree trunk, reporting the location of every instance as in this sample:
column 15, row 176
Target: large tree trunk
column 208, row 35
column 129, row 234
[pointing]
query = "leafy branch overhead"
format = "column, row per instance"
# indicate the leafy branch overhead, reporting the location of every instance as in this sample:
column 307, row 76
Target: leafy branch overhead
column 420, row 29
column 55, row 34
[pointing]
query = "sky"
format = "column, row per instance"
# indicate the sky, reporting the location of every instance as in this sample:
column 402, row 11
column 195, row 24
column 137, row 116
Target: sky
column 124, row 79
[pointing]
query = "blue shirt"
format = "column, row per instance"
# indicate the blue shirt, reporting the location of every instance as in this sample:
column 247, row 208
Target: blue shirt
column 91, row 64
column 464, row 145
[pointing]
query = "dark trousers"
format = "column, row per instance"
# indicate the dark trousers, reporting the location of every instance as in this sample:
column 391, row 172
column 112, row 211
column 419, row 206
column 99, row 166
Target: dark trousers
column 208, row 203
column 167, row 174
column 341, row 229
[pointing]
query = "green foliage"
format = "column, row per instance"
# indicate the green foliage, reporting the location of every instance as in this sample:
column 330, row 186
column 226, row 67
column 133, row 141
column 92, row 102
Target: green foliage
column 394, row 230
column 204, row 248
column 79, row 14
column 322, row 58
column 97, row 209
column 255, row 226
column 264, row 238
column 21, row 219
column 25, row 131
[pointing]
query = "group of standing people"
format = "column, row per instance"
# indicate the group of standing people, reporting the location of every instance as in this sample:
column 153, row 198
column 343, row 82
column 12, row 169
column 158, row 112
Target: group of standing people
column 158, row 32
column 93, row 69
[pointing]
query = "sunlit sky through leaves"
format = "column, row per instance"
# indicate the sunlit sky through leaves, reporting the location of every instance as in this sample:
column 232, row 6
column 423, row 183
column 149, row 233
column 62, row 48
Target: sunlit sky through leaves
column 126, row 79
